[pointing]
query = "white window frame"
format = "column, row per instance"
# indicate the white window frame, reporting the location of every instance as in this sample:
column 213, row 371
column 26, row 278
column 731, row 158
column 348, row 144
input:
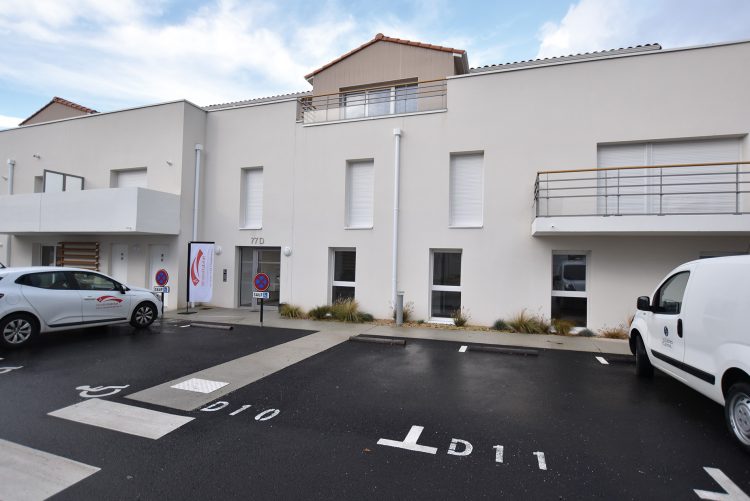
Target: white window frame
column 347, row 196
column 332, row 271
column 243, row 198
column 450, row 199
column 581, row 294
column 442, row 288
column 65, row 180
column 365, row 104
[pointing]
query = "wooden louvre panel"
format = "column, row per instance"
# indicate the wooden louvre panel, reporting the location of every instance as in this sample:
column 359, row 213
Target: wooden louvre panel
column 79, row 255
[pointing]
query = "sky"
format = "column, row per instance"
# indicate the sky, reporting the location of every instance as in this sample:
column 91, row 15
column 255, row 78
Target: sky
column 113, row 54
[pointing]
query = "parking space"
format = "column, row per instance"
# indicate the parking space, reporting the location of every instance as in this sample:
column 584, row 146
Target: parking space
column 425, row 420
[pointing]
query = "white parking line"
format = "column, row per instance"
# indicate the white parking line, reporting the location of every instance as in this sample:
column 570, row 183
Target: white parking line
column 199, row 385
column 733, row 492
column 27, row 473
column 410, row 442
column 602, row 360
column 123, row 418
column 463, row 349
column 542, row 461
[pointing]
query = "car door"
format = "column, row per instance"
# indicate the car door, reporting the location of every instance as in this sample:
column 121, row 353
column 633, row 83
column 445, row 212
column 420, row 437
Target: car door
column 101, row 298
column 665, row 325
column 54, row 297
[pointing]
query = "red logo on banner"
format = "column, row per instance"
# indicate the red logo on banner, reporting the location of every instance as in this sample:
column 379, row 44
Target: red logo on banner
column 107, row 299
column 194, row 271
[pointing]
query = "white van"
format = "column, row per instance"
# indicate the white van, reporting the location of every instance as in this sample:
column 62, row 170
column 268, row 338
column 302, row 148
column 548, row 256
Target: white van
column 696, row 328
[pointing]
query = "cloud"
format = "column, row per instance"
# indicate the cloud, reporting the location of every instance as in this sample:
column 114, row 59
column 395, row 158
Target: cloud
column 7, row 122
column 592, row 25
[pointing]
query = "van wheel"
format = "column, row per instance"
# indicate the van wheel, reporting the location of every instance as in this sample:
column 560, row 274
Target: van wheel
column 143, row 315
column 737, row 412
column 643, row 367
column 17, row 330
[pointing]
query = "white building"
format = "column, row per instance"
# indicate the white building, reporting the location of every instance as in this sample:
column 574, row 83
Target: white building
column 302, row 186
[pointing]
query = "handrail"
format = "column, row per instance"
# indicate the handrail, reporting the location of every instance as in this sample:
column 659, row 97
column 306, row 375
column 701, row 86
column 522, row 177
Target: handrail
column 359, row 89
column 665, row 166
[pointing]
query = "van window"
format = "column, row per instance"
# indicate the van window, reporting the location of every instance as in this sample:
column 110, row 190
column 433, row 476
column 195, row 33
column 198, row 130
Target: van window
column 668, row 299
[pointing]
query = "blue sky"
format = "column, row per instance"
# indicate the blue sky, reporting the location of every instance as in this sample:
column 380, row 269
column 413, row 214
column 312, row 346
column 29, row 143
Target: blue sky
column 110, row 54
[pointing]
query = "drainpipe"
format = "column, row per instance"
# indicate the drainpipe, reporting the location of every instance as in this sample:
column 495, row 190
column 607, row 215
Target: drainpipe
column 196, row 194
column 396, row 190
column 11, row 173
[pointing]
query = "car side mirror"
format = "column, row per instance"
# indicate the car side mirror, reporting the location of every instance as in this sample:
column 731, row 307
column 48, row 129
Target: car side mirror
column 123, row 289
column 643, row 304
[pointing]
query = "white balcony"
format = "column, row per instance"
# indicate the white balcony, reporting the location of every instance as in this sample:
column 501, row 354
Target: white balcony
column 109, row 211
column 681, row 199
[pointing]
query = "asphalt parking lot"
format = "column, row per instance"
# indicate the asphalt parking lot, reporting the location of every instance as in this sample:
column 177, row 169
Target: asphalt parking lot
column 369, row 421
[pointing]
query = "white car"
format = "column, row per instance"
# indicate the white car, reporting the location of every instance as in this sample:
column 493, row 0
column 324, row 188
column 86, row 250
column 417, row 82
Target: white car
column 695, row 329
column 49, row 299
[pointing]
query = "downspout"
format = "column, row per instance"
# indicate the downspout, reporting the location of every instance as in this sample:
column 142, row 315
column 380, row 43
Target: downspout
column 11, row 174
column 396, row 192
column 196, row 194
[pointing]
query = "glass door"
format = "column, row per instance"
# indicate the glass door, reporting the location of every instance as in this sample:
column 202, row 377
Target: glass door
column 254, row 260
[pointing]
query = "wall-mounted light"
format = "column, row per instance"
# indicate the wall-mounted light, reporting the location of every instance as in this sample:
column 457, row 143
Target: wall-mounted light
column 218, row 250
column 169, row 163
column 37, row 156
column 287, row 251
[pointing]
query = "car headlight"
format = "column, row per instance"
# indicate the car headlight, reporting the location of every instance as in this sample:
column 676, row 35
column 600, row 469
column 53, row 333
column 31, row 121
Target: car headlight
column 157, row 295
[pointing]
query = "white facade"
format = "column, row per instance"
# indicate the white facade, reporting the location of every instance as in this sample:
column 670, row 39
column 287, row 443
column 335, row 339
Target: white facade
column 272, row 182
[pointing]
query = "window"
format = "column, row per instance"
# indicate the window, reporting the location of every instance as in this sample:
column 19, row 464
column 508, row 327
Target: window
column 466, row 190
column 343, row 274
column 380, row 101
column 359, row 194
column 668, row 299
column 446, row 283
column 55, row 280
column 93, row 282
column 569, row 291
column 252, row 198
column 55, row 182
column 130, row 178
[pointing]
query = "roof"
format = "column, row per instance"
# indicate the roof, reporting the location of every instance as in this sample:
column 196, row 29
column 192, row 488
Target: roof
column 380, row 37
column 259, row 100
column 571, row 57
column 64, row 102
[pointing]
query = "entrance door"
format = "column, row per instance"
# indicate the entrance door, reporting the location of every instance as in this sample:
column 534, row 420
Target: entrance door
column 664, row 322
column 255, row 260
column 118, row 263
column 159, row 259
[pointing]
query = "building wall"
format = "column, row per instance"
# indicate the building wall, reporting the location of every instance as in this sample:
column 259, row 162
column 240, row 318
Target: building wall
column 55, row 111
column 384, row 62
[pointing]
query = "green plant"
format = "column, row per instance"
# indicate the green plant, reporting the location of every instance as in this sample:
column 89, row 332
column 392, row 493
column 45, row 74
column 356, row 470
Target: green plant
column 460, row 317
column 526, row 323
column 586, row 333
column 562, row 327
column 420, row 321
column 500, row 325
column 291, row 311
column 346, row 310
column 320, row 312
column 408, row 311
column 366, row 317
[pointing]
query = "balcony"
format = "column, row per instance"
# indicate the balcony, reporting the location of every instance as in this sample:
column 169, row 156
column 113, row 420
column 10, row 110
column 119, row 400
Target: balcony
column 374, row 102
column 111, row 211
column 679, row 199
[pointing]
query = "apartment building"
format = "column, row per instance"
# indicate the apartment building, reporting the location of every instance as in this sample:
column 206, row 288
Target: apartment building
column 564, row 186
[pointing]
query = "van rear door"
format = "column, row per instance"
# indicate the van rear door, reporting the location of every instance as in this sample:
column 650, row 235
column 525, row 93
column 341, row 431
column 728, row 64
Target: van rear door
column 665, row 322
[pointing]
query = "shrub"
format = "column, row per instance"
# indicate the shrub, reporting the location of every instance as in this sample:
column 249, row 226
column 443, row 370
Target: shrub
column 366, row 317
column 562, row 327
column 408, row 311
column 291, row 311
column 586, row 333
column 460, row 317
column 619, row 332
column 320, row 312
column 420, row 321
column 526, row 323
column 500, row 325
column 346, row 310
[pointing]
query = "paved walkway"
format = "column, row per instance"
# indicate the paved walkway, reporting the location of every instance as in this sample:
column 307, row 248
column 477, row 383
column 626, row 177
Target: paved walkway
column 339, row 329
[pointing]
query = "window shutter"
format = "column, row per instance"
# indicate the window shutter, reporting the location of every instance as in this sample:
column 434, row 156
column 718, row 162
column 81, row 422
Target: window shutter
column 466, row 190
column 633, row 187
column 131, row 178
column 253, row 198
column 359, row 194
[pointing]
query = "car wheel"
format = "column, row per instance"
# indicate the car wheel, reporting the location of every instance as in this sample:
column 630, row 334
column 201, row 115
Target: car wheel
column 17, row 330
column 143, row 315
column 643, row 367
column 737, row 412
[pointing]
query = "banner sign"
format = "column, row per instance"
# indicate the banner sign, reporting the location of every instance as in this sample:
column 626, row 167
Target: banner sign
column 200, row 271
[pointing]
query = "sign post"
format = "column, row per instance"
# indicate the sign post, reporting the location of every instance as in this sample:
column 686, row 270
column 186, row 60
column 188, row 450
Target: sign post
column 162, row 279
column 261, row 282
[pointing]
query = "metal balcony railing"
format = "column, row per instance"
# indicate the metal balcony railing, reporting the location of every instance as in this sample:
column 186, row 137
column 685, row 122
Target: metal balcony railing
column 395, row 99
column 705, row 188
